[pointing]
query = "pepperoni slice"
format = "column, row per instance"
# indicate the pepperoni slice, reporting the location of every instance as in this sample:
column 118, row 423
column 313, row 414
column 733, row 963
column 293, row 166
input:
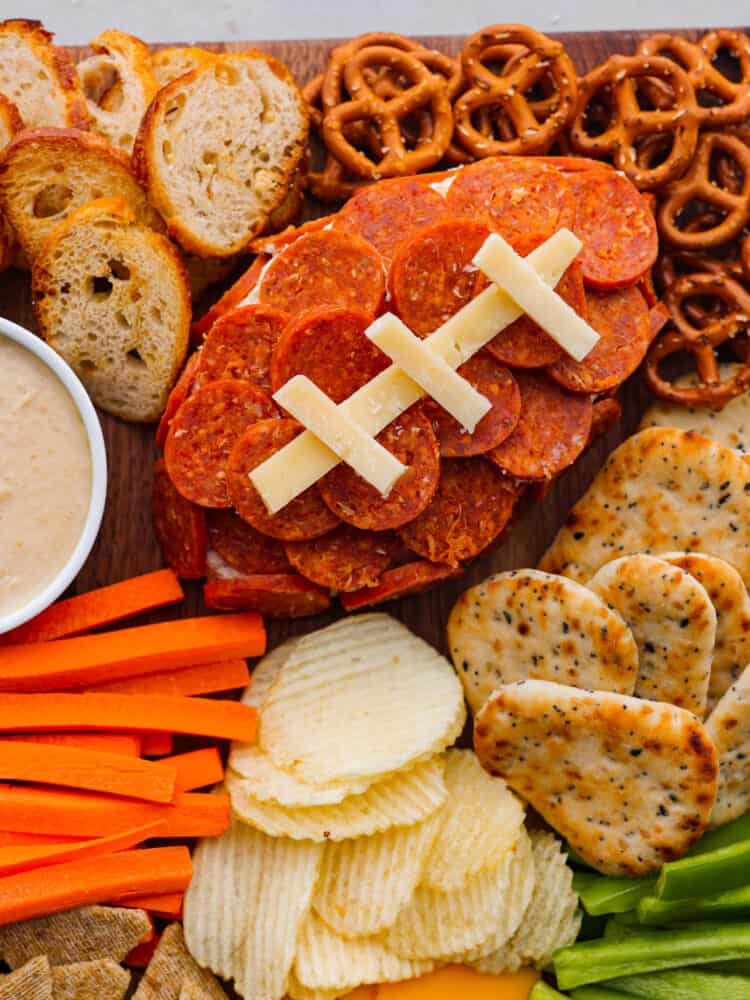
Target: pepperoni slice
column 177, row 397
column 551, row 433
column 497, row 385
column 180, row 527
column 386, row 214
column 344, row 559
column 412, row 440
column 242, row 547
column 273, row 595
column 472, row 506
column 276, row 242
column 329, row 346
column 615, row 224
column 413, row 578
column 203, row 433
column 325, row 269
column 605, row 413
column 622, row 320
column 305, row 517
column 432, row 275
column 240, row 345
column 516, row 196
column 229, row 300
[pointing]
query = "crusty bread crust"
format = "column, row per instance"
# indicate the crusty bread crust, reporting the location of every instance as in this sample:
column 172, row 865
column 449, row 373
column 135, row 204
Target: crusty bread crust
column 39, row 77
column 45, row 169
column 170, row 63
column 10, row 123
column 112, row 297
column 217, row 179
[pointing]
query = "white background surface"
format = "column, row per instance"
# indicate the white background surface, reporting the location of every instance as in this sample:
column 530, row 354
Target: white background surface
column 76, row 21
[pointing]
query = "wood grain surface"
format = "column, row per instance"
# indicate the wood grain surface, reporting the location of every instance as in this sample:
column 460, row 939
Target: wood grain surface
column 126, row 545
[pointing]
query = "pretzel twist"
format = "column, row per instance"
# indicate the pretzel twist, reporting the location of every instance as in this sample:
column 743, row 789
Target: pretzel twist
column 329, row 183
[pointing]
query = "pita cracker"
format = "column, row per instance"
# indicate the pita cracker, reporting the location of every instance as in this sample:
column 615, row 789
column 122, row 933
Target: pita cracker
column 729, row 728
column 171, row 966
column 673, row 621
column 731, row 602
column 90, row 981
column 81, row 935
column 525, row 624
column 661, row 490
column 629, row 783
column 33, row 981
column 729, row 426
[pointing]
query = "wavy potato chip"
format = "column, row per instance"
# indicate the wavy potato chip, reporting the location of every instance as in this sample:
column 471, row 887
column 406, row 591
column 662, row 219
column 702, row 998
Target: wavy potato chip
column 244, row 907
column 327, row 961
column 729, row 728
column 264, row 675
column 552, row 919
column 281, row 787
column 364, row 882
column 673, row 621
column 402, row 799
column 296, row 991
column 362, row 697
column 526, row 623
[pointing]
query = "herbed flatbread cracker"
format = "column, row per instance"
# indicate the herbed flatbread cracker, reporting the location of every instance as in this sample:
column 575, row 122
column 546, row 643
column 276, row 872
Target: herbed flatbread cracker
column 33, row 981
column 729, row 728
column 731, row 602
column 661, row 490
column 100, row 980
column 526, row 623
column 629, row 783
column 673, row 621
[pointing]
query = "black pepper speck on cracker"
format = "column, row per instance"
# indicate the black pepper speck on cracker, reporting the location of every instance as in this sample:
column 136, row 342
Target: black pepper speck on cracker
column 729, row 728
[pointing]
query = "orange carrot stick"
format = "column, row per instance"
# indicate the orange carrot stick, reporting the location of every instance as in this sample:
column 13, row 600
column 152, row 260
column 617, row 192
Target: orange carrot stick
column 128, row 744
column 28, row 809
column 142, row 954
column 81, row 883
column 11, row 838
column 90, row 770
column 20, row 859
column 204, row 678
column 157, row 744
column 99, row 607
column 130, row 652
column 196, row 769
column 228, row 720
column 167, row 905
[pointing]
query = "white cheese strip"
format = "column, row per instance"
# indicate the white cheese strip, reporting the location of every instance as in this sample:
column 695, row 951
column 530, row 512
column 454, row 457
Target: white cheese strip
column 431, row 373
column 301, row 463
column 346, row 439
column 516, row 276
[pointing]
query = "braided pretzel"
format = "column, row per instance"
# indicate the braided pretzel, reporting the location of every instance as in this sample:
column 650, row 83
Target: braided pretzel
column 701, row 342
column 330, row 183
column 427, row 91
column 629, row 125
column 506, row 92
column 733, row 208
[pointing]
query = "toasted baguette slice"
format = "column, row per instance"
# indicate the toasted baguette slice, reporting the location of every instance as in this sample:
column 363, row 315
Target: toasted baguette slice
column 218, row 149
column 46, row 174
column 118, row 85
column 10, row 123
column 111, row 296
column 168, row 64
column 39, row 78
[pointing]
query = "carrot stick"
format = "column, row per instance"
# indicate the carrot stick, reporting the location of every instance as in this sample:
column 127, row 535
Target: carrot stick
column 205, row 678
column 142, row 954
column 229, row 720
column 196, row 769
column 11, row 838
column 27, row 809
column 99, row 607
column 130, row 652
column 19, row 859
column 167, row 905
column 81, row 883
column 90, row 770
column 157, row 744
column 128, row 744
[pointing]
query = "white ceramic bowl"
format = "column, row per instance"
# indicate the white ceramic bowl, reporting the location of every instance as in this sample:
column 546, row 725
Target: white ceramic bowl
column 98, row 453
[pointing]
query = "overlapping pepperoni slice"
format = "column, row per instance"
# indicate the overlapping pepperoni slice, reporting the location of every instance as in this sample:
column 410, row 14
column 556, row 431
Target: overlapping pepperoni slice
column 412, row 440
column 472, row 506
column 177, row 397
column 240, row 345
column 180, row 527
column 412, row 578
column 305, row 517
column 551, row 433
column 242, row 547
column 273, row 595
column 203, row 433
column 345, row 559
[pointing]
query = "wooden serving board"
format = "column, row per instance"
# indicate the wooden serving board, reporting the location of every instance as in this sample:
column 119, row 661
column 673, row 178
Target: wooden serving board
column 127, row 546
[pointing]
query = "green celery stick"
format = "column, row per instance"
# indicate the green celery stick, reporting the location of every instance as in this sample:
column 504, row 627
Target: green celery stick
column 591, row 927
column 705, row 874
column 600, row 894
column 739, row 967
column 684, row 984
column 732, row 903
column 725, row 836
column 542, row 991
column 650, row 951
column 597, row 993
column 622, row 925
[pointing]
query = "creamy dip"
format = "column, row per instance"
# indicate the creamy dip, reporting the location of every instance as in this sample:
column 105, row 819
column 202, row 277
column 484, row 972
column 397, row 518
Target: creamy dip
column 45, row 476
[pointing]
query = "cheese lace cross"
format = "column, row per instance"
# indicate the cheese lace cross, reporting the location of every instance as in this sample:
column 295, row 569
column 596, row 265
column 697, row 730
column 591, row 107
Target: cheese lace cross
column 337, row 433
